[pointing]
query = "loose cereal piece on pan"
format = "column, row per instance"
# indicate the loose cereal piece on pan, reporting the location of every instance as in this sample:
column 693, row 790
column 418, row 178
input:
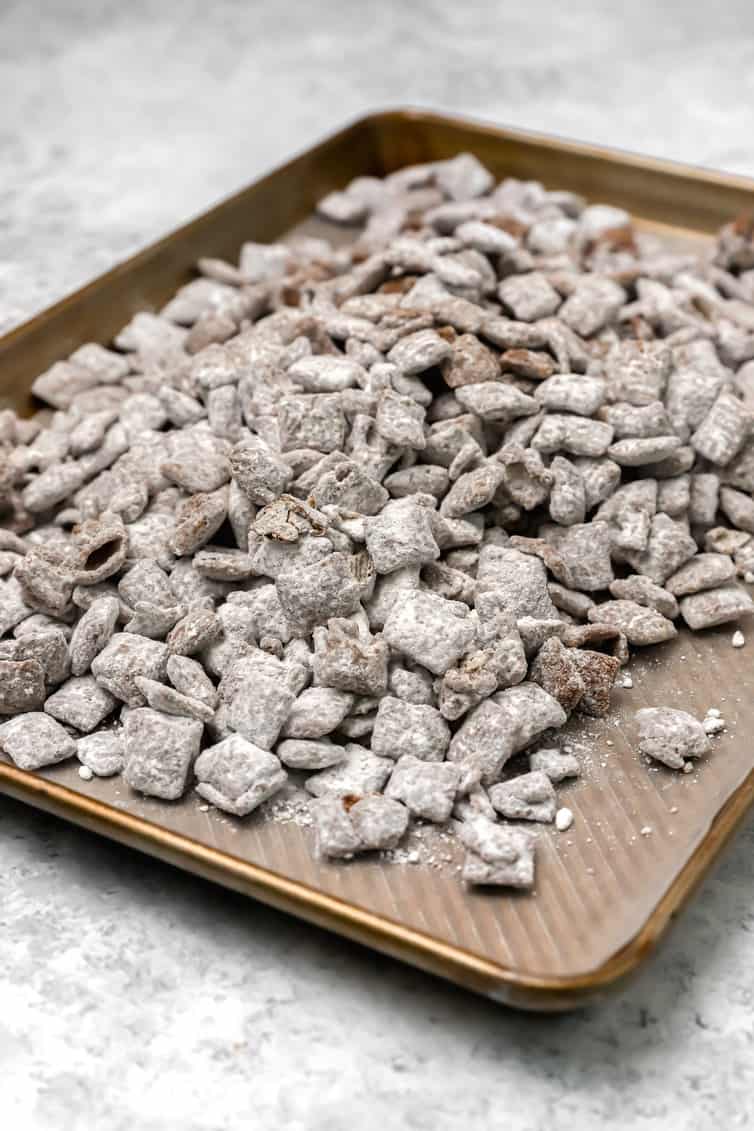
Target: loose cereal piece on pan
column 463, row 177
column 483, row 741
column 600, row 477
column 534, row 631
column 739, row 472
column 674, row 495
column 670, row 736
column 102, row 545
column 237, row 776
column 35, row 740
column 411, row 686
column 400, row 421
column 311, row 421
column 499, row 855
column 594, row 302
column 62, row 383
column 348, row 486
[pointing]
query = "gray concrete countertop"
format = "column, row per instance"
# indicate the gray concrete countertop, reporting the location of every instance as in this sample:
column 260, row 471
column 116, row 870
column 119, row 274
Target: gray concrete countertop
column 132, row 996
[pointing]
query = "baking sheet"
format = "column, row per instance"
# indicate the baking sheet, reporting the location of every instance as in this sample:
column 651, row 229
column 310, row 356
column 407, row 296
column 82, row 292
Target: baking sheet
column 605, row 890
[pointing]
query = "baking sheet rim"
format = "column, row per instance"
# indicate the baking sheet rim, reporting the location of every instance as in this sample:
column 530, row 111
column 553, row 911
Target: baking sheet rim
column 482, row 975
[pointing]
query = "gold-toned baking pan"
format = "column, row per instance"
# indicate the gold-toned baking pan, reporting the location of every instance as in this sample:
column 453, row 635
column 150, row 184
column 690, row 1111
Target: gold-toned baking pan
column 606, row 891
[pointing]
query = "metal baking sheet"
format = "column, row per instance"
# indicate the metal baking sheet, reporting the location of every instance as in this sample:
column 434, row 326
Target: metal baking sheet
column 605, row 891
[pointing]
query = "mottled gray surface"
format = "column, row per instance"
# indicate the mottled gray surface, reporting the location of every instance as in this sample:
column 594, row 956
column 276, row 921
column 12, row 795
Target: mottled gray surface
column 132, row 996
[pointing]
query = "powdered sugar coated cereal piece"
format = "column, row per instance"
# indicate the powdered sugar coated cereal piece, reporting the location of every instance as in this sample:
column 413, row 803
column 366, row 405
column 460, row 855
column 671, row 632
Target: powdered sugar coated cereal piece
column 34, row 740
column 237, row 776
column 427, row 789
column 529, row 797
column 670, row 736
column 558, row 766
